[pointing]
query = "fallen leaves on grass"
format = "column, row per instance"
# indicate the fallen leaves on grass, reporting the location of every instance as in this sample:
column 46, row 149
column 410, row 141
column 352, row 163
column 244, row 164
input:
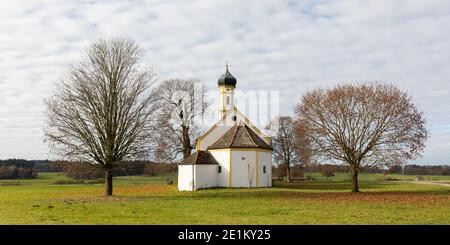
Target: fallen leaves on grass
column 417, row 199
column 142, row 190
column 121, row 193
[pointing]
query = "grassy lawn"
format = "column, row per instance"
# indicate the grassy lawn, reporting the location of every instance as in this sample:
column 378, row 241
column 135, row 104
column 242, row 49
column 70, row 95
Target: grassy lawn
column 376, row 177
column 149, row 200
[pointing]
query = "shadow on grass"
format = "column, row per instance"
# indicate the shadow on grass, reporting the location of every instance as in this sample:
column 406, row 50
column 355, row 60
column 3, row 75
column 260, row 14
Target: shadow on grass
column 371, row 191
column 316, row 185
column 342, row 185
column 365, row 186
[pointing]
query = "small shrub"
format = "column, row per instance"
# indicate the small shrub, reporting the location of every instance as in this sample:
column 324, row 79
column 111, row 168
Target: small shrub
column 296, row 172
column 327, row 172
column 169, row 181
column 14, row 172
column 388, row 179
column 310, row 178
column 79, row 182
column 420, row 178
column 83, row 171
column 68, row 182
column 11, row 183
column 97, row 181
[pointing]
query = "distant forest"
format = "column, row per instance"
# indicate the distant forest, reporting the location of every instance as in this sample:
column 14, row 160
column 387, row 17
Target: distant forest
column 411, row 169
column 22, row 169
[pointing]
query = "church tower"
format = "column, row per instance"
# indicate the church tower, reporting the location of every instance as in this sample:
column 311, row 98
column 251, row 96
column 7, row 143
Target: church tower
column 227, row 84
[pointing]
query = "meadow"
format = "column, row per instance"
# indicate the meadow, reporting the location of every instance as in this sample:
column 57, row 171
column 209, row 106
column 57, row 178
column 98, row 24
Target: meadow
column 150, row 200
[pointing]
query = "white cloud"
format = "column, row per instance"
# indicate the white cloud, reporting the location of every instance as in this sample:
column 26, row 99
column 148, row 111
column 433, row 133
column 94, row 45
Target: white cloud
column 286, row 46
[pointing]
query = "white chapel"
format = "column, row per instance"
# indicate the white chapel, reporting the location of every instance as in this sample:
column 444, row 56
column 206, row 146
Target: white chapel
column 232, row 153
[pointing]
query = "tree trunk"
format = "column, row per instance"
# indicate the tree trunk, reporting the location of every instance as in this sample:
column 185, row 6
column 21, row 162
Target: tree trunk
column 288, row 173
column 355, row 187
column 186, row 142
column 108, row 182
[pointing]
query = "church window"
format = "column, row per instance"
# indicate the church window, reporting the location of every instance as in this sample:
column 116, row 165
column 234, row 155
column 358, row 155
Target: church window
column 264, row 169
column 234, row 118
column 228, row 100
column 219, row 169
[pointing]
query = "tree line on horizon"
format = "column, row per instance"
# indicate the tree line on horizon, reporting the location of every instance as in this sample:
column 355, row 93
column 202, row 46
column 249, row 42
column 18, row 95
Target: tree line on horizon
column 109, row 108
column 24, row 169
column 298, row 170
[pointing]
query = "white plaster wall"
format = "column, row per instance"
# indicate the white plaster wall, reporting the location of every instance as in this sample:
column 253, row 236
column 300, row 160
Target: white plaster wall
column 223, row 158
column 185, row 178
column 243, row 170
column 205, row 176
column 265, row 159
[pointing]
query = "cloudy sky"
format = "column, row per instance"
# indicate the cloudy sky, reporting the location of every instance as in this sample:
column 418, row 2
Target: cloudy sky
column 282, row 46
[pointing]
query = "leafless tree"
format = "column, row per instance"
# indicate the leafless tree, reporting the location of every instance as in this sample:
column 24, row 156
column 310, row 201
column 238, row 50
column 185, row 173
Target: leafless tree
column 251, row 173
column 286, row 148
column 362, row 125
column 181, row 107
column 102, row 110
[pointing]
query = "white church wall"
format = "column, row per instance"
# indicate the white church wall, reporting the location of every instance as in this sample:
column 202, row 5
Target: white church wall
column 243, row 168
column 185, row 177
column 223, row 158
column 265, row 160
column 205, row 176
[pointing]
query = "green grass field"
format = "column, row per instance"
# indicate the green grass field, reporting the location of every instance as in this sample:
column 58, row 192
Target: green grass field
column 149, row 200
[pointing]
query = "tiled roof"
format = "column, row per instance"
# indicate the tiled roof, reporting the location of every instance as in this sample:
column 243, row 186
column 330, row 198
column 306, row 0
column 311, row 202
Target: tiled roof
column 240, row 136
column 200, row 157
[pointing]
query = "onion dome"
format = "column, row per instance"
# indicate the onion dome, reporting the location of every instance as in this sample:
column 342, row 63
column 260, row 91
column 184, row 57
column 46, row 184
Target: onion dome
column 227, row 78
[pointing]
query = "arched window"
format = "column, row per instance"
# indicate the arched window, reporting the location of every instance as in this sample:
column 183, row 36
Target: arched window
column 264, row 169
column 228, row 100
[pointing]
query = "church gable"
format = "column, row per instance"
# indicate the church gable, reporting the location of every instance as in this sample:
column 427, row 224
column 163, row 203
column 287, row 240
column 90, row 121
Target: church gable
column 230, row 119
column 239, row 136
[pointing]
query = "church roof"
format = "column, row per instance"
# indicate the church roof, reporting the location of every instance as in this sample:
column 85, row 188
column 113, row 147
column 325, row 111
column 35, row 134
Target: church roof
column 226, row 78
column 200, row 157
column 240, row 136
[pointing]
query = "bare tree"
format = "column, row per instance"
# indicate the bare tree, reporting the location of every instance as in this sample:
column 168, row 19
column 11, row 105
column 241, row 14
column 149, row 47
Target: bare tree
column 102, row 110
column 362, row 125
column 286, row 148
column 327, row 172
column 251, row 172
column 181, row 107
